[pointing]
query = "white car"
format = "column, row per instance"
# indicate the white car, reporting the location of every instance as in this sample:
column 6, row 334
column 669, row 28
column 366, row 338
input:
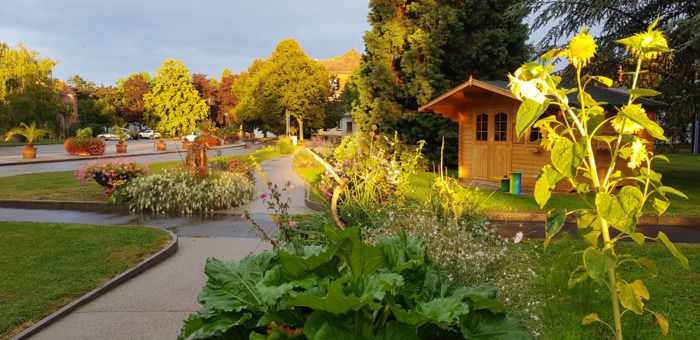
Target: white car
column 192, row 136
column 110, row 135
column 150, row 134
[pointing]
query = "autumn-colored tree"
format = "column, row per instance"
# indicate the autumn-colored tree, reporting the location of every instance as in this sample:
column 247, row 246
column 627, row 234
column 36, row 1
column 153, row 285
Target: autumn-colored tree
column 133, row 89
column 27, row 91
column 173, row 105
column 225, row 98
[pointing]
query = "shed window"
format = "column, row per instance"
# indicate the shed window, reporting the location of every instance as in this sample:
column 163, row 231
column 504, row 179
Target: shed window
column 501, row 127
column 482, row 127
column 535, row 134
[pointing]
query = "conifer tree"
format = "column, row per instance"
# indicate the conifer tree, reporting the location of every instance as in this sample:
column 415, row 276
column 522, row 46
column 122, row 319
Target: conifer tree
column 174, row 105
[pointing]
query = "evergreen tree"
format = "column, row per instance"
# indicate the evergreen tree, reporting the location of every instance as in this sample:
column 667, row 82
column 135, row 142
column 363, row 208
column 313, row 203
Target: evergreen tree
column 173, row 105
column 416, row 50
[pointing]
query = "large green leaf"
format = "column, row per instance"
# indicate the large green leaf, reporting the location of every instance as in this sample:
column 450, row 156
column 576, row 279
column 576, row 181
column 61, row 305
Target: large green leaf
column 528, row 112
column 403, row 252
column 396, row 331
column 486, row 325
column 597, row 263
column 629, row 298
column 661, row 237
column 276, row 285
column 208, row 325
column 566, row 157
column 546, row 182
column 621, row 210
column 346, row 293
column 321, row 325
column 636, row 113
column 554, row 223
column 589, row 226
column 305, row 260
column 232, row 285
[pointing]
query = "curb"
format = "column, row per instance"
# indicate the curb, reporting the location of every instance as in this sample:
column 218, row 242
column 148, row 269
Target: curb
column 680, row 221
column 65, row 205
column 151, row 261
column 126, row 155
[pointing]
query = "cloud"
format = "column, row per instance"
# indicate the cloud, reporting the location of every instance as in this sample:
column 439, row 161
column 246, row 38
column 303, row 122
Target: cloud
column 106, row 40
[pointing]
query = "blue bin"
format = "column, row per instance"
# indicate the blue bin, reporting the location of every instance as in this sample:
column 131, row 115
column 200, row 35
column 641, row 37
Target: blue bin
column 515, row 182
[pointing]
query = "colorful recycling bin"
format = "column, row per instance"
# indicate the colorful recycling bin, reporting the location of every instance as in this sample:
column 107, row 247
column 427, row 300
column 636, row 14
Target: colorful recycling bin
column 515, row 182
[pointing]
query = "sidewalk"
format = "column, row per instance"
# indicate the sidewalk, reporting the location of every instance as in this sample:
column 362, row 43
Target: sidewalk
column 154, row 304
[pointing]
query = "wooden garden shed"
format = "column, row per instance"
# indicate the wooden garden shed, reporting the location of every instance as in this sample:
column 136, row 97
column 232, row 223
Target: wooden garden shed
column 488, row 147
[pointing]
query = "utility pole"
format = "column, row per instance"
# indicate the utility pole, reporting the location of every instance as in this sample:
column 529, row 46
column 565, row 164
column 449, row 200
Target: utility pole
column 286, row 119
column 696, row 134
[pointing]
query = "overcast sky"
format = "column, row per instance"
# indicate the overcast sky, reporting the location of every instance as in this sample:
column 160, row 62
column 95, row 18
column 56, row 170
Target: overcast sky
column 103, row 41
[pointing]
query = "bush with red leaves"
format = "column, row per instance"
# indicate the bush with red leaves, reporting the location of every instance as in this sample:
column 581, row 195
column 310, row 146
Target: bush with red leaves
column 88, row 146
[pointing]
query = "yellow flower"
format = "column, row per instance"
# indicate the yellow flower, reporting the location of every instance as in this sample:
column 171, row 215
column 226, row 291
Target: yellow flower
column 639, row 153
column 582, row 48
column 649, row 44
column 624, row 125
column 526, row 89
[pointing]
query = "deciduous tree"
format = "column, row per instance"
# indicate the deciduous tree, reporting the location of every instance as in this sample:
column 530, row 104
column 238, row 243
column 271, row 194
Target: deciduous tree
column 133, row 89
column 174, row 105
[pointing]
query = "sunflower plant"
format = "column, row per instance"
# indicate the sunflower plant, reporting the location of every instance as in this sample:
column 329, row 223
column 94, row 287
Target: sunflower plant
column 620, row 174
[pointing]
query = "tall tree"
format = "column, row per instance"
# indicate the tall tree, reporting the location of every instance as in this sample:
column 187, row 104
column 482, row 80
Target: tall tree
column 133, row 89
column 289, row 81
column 676, row 76
column 97, row 104
column 225, row 98
column 418, row 49
column 27, row 91
column 174, row 105
column 250, row 111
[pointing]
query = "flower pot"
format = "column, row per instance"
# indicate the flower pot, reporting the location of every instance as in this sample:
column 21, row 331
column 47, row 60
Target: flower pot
column 160, row 146
column 121, row 147
column 29, row 152
column 185, row 144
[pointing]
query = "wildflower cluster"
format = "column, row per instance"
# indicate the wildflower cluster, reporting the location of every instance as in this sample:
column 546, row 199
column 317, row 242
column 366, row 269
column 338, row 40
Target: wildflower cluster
column 111, row 173
column 240, row 167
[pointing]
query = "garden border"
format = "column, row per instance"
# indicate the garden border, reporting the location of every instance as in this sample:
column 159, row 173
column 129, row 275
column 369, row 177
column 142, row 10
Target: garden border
column 122, row 277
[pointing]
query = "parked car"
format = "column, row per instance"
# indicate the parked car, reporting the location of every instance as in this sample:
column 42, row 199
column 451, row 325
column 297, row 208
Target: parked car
column 150, row 134
column 192, row 136
column 111, row 135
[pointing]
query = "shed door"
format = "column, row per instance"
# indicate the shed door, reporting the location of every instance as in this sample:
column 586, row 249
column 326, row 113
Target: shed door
column 492, row 144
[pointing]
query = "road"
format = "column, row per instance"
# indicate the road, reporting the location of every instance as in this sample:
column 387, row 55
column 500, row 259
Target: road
column 55, row 151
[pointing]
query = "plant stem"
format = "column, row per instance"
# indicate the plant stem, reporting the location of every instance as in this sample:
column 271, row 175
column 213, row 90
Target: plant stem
column 612, row 282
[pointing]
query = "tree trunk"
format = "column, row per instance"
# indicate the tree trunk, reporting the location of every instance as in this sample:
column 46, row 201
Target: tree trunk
column 301, row 128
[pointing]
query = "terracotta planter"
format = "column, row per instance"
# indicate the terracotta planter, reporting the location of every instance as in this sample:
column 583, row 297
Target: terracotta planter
column 29, row 152
column 185, row 144
column 160, row 146
column 121, row 147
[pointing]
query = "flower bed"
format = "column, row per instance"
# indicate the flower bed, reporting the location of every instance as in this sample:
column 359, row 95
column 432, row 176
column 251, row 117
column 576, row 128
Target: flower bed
column 182, row 192
column 111, row 173
column 84, row 146
column 209, row 140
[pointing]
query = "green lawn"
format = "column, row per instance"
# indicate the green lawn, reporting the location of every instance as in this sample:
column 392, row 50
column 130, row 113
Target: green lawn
column 310, row 170
column 675, row 293
column 682, row 173
column 37, row 142
column 63, row 186
column 47, row 265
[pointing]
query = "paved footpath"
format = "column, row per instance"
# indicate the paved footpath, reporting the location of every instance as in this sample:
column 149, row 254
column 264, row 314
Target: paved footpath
column 154, row 304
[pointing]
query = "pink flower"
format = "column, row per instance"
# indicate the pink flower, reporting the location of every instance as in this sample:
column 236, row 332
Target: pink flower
column 292, row 224
column 518, row 237
column 263, row 196
column 243, row 217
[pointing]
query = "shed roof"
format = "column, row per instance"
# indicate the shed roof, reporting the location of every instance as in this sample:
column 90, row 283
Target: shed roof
column 611, row 96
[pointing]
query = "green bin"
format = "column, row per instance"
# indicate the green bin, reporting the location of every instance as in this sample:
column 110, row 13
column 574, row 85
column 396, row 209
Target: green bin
column 505, row 184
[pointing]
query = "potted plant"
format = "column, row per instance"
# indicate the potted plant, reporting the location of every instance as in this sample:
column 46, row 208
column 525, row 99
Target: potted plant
column 30, row 132
column 161, row 144
column 122, row 135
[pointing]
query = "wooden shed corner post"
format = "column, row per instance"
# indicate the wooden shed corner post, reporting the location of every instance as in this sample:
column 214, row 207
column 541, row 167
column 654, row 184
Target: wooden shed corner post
column 461, row 167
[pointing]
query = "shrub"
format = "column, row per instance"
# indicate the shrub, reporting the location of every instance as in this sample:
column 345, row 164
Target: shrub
column 229, row 133
column 241, row 167
column 321, row 147
column 87, row 146
column 345, row 289
column 209, row 140
column 84, row 133
column 111, row 173
column 285, row 146
column 182, row 192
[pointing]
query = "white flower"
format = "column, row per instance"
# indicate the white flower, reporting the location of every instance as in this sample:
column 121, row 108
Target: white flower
column 518, row 237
